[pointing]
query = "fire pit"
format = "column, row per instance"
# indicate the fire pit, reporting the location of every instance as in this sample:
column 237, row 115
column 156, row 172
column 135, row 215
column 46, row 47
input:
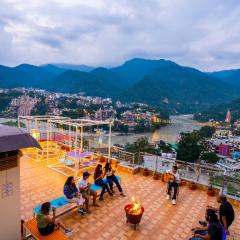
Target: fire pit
column 134, row 212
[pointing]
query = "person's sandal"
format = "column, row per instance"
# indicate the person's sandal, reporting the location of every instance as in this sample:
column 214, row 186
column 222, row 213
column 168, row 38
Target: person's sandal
column 122, row 194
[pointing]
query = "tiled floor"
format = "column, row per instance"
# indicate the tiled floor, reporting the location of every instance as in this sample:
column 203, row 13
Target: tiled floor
column 160, row 221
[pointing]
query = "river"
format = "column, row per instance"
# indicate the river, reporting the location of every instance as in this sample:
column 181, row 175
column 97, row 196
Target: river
column 169, row 133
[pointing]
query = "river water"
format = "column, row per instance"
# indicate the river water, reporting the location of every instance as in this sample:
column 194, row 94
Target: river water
column 170, row 133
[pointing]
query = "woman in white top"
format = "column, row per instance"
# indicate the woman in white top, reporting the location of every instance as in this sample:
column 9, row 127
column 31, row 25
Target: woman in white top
column 111, row 178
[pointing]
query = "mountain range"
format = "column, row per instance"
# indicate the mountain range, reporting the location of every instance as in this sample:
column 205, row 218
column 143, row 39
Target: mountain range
column 158, row 82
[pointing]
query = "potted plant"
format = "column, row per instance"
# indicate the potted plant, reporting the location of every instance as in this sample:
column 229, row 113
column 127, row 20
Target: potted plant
column 145, row 172
column 211, row 191
column 183, row 183
column 192, row 186
column 155, row 176
column 102, row 159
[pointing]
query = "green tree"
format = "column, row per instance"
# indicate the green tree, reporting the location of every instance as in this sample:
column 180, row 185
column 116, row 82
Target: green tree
column 206, row 131
column 189, row 148
column 141, row 145
column 210, row 157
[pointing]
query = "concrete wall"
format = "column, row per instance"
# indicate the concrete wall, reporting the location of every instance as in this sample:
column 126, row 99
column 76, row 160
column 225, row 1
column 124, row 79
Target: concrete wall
column 10, row 213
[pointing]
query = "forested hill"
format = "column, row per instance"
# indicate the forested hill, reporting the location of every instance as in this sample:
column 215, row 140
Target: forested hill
column 158, row 82
column 218, row 112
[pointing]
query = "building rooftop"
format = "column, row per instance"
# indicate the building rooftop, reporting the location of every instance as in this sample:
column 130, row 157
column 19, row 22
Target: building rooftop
column 161, row 220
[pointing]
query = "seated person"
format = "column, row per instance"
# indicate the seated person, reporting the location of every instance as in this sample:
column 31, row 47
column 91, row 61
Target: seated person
column 111, row 178
column 72, row 194
column 98, row 180
column 174, row 184
column 46, row 225
column 213, row 231
column 226, row 213
column 84, row 188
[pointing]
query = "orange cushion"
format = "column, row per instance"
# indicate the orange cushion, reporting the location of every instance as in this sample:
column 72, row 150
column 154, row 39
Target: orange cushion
column 31, row 225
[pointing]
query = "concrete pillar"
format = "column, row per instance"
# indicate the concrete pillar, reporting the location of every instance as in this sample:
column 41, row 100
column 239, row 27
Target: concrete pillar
column 10, row 211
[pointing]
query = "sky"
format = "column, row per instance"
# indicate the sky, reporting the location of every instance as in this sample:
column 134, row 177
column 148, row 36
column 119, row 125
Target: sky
column 200, row 33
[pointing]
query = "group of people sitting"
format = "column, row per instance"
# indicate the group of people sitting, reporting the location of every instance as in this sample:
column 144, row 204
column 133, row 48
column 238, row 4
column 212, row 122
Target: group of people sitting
column 217, row 223
column 81, row 195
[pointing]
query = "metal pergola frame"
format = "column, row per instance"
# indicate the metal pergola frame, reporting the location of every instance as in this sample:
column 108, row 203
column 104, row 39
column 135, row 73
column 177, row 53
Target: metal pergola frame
column 36, row 120
column 76, row 124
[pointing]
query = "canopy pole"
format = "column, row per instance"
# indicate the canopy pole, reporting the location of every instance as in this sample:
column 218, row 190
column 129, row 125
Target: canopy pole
column 109, row 141
column 76, row 159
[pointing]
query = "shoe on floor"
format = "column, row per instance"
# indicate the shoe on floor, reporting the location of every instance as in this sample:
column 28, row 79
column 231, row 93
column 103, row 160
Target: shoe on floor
column 168, row 196
column 174, row 201
column 81, row 211
column 101, row 199
column 68, row 232
column 122, row 194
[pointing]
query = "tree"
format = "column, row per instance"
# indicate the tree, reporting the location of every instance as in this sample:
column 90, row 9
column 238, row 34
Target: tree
column 141, row 145
column 189, row 148
column 164, row 147
column 206, row 131
column 210, row 157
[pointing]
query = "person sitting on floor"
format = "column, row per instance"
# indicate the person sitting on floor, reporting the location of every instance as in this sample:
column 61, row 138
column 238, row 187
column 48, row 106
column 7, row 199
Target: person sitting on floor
column 98, row 180
column 111, row 178
column 226, row 213
column 84, row 188
column 173, row 184
column 214, row 230
column 46, row 225
column 72, row 194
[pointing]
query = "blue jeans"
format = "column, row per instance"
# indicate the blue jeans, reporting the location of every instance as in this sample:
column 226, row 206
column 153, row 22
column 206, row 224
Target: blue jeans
column 175, row 188
column 113, row 179
column 104, row 186
column 202, row 232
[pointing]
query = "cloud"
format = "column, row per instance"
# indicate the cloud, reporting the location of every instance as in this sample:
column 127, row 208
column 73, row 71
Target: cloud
column 203, row 34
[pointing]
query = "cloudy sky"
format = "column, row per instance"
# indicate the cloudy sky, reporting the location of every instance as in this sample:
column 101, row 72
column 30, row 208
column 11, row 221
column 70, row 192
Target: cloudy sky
column 200, row 33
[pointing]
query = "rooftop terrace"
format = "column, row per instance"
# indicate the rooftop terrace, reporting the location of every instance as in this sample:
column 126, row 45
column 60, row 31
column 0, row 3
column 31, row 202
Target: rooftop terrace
column 161, row 220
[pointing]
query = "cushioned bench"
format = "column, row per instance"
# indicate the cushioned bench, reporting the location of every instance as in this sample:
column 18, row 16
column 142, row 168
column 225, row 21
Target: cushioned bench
column 31, row 226
column 63, row 205
column 59, row 203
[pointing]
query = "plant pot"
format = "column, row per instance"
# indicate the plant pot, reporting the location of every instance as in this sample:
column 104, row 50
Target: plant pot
column 145, row 172
column 183, row 183
column 192, row 186
column 102, row 159
column 211, row 192
column 155, row 176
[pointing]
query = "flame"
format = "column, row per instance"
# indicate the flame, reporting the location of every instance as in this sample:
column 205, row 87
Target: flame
column 136, row 206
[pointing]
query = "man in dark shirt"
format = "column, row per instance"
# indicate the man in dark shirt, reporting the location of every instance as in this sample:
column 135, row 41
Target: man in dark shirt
column 226, row 213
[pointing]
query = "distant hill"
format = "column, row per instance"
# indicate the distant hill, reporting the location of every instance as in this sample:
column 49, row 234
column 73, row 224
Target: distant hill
column 164, row 83
column 26, row 75
column 83, row 68
column 228, row 76
column 135, row 69
column 218, row 112
column 96, row 83
column 180, row 88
